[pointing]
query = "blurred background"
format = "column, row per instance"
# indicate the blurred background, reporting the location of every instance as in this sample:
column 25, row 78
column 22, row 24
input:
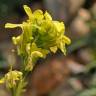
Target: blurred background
column 57, row 75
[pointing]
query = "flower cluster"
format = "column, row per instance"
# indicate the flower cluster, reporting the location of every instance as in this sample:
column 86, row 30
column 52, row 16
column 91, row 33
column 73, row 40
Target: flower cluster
column 11, row 78
column 40, row 36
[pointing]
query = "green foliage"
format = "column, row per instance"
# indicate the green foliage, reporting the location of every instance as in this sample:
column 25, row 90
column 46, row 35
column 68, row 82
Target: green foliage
column 91, row 90
column 91, row 43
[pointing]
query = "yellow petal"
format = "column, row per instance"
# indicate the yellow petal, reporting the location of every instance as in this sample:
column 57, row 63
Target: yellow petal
column 16, row 40
column 66, row 40
column 62, row 48
column 53, row 49
column 37, row 54
column 10, row 25
column 59, row 26
column 28, row 11
column 38, row 14
column 47, row 16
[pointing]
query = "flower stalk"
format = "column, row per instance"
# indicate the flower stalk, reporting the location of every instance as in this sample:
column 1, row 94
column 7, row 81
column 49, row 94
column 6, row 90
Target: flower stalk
column 40, row 36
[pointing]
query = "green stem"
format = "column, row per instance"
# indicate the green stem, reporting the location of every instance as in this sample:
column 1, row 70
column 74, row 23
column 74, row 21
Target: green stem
column 13, row 91
column 21, row 85
column 19, row 89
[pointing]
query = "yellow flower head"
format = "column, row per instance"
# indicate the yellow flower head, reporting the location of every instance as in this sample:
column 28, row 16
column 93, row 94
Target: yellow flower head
column 11, row 78
column 40, row 30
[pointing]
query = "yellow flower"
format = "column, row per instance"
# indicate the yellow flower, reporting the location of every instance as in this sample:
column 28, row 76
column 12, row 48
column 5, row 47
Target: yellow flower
column 11, row 78
column 40, row 36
